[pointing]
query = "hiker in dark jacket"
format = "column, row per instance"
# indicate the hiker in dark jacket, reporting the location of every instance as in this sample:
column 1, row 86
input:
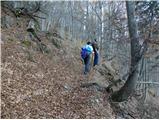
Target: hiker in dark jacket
column 86, row 55
column 96, row 52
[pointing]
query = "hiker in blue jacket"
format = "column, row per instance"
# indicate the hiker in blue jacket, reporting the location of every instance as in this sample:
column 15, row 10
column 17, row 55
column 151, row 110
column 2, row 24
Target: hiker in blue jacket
column 86, row 53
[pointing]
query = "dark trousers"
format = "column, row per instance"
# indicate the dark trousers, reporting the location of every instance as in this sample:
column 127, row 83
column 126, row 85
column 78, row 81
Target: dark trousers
column 87, row 64
column 96, row 59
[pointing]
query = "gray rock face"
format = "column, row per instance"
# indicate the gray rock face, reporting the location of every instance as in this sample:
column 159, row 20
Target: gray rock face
column 31, row 24
column 7, row 21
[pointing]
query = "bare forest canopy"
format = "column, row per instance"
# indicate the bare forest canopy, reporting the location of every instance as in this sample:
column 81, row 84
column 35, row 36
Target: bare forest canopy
column 127, row 33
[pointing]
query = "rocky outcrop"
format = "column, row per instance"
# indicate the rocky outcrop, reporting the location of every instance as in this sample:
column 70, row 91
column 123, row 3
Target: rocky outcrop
column 7, row 21
column 105, row 77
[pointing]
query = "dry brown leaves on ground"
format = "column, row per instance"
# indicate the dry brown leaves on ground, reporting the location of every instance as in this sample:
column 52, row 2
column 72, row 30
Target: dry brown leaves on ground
column 47, row 88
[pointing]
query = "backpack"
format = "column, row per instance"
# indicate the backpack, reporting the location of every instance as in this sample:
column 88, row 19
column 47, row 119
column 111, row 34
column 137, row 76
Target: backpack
column 86, row 50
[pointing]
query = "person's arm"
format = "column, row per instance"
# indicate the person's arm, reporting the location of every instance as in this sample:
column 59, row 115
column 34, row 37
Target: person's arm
column 92, row 58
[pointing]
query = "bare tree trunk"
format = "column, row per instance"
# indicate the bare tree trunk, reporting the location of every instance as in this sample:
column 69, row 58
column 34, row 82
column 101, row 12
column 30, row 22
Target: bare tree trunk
column 101, row 27
column 130, row 84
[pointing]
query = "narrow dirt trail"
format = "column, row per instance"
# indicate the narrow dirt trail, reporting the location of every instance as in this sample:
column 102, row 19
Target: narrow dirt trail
column 47, row 88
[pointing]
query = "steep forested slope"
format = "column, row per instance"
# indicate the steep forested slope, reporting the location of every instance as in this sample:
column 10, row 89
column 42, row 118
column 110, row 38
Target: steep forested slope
column 45, row 79
column 36, row 85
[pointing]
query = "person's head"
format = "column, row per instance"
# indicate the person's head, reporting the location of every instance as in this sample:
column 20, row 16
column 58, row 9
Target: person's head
column 88, row 43
column 95, row 40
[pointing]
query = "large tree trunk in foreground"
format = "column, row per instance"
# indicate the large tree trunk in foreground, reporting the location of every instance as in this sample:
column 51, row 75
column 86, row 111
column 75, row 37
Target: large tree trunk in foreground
column 130, row 84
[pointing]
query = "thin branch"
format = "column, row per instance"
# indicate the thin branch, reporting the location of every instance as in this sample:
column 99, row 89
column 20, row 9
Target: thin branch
column 156, row 83
column 39, row 17
column 96, row 13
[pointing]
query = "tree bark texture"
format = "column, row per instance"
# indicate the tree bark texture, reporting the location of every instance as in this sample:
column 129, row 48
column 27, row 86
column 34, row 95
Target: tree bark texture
column 129, row 87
